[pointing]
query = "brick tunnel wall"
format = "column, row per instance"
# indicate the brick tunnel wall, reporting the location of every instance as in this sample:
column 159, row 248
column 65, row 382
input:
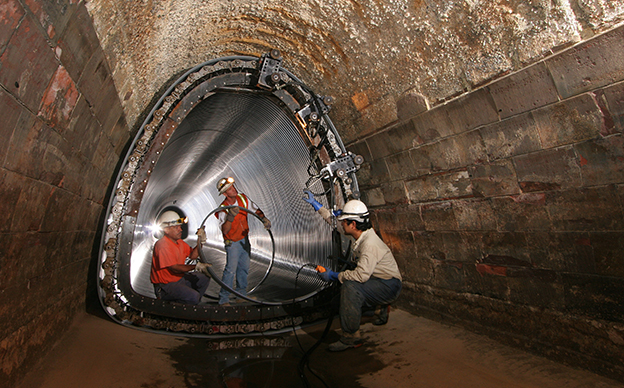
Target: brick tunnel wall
column 62, row 130
column 505, row 207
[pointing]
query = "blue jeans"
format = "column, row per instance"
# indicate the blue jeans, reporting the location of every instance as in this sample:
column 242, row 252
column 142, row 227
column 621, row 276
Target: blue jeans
column 237, row 263
column 189, row 289
column 354, row 296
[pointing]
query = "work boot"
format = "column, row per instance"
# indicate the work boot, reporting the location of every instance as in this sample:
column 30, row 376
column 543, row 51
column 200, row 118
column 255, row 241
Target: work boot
column 382, row 316
column 347, row 341
column 339, row 346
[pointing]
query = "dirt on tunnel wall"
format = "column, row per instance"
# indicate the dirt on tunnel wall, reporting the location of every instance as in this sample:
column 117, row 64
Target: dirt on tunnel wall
column 504, row 207
column 492, row 133
column 63, row 130
column 366, row 54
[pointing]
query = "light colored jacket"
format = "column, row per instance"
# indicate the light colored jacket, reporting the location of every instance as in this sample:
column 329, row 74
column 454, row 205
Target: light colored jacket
column 373, row 258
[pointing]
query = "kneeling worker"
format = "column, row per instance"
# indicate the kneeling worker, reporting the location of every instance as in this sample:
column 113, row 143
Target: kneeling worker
column 172, row 279
column 375, row 281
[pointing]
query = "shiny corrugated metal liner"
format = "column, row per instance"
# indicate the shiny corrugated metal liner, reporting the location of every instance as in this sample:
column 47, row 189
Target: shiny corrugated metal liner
column 248, row 137
column 250, row 119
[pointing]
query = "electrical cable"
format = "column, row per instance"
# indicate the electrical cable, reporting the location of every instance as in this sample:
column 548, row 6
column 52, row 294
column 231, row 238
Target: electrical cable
column 295, row 293
column 313, row 179
column 305, row 360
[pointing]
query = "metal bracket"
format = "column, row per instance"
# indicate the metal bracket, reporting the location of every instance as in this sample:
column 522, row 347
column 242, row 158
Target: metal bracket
column 343, row 165
column 269, row 74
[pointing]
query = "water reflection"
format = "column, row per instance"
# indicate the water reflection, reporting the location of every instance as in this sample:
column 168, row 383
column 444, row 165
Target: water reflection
column 243, row 362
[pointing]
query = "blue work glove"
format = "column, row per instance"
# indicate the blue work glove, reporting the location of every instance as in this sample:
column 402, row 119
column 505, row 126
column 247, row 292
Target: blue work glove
column 336, row 213
column 327, row 274
column 310, row 199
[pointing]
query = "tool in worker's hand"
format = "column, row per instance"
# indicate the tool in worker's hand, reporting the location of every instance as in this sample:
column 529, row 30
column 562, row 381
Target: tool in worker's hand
column 327, row 274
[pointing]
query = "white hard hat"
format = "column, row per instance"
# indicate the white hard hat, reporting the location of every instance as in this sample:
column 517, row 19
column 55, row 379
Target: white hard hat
column 224, row 184
column 354, row 210
column 171, row 218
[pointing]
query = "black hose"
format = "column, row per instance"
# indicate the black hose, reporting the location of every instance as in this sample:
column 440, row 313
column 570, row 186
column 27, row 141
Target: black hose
column 218, row 279
column 305, row 360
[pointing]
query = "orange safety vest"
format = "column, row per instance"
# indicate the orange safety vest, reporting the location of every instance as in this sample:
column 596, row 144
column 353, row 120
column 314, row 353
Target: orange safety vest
column 240, row 228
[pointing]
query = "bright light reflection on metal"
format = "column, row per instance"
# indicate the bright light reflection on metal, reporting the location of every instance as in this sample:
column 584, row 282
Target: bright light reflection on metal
column 249, row 138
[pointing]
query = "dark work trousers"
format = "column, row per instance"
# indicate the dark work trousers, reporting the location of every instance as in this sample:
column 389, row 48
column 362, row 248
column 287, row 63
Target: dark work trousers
column 189, row 289
column 355, row 296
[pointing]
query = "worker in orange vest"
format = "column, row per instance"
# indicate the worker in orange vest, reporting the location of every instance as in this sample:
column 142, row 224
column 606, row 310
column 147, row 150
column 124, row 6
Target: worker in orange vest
column 234, row 226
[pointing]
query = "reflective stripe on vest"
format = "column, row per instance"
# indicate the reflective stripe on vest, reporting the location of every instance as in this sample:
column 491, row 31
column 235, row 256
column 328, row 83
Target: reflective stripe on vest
column 243, row 200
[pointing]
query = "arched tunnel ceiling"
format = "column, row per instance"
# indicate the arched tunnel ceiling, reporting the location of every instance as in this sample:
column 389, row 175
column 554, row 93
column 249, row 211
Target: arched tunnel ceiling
column 364, row 53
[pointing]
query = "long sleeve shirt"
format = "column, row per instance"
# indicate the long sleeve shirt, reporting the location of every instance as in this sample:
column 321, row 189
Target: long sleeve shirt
column 373, row 258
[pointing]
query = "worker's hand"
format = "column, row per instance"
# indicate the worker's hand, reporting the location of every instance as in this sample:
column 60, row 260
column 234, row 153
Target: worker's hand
column 266, row 223
column 309, row 198
column 201, row 235
column 327, row 274
column 232, row 213
column 203, row 268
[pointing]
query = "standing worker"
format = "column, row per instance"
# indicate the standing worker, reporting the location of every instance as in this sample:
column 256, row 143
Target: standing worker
column 235, row 229
column 172, row 278
column 375, row 281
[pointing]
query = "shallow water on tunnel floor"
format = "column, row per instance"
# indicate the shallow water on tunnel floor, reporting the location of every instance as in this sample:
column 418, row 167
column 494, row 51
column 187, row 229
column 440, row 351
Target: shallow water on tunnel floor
column 271, row 362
